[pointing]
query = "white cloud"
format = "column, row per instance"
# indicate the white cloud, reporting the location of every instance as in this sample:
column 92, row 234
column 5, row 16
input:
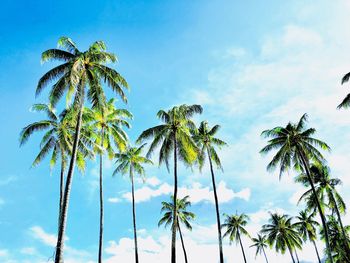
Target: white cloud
column 114, row 200
column 4, row 253
column 153, row 181
column 29, row 251
column 48, row 239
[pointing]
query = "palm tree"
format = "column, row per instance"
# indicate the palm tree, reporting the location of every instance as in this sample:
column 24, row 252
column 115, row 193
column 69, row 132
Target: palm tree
column 131, row 161
column 57, row 140
column 183, row 216
column 80, row 73
column 260, row 242
column 306, row 226
column 109, row 123
column 281, row 234
column 174, row 136
column 346, row 101
column 234, row 225
column 338, row 249
column 326, row 192
column 296, row 148
column 206, row 141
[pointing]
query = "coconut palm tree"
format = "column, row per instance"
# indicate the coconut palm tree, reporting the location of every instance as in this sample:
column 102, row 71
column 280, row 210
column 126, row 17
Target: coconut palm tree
column 79, row 76
column 183, row 216
column 129, row 162
column 295, row 149
column 205, row 138
column 57, row 140
column 109, row 123
column 338, row 250
column 327, row 193
column 281, row 234
column 173, row 136
column 346, row 101
column 306, row 226
column 234, row 225
column 260, row 242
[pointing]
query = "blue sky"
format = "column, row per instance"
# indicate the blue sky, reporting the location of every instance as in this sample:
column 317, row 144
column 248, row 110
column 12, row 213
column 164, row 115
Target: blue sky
column 252, row 65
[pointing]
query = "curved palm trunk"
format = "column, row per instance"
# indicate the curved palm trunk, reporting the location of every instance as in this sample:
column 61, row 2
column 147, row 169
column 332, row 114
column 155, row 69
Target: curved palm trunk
column 61, row 190
column 173, row 235
column 318, row 255
column 134, row 215
column 240, row 242
column 100, row 240
column 183, row 244
column 296, row 255
column 265, row 255
column 216, row 207
column 291, row 253
column 341, row 226
column 323, row 219
column 67, row 190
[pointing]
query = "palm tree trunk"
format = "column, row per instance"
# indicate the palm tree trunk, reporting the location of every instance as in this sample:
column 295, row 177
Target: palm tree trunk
column 100, row 243
column 216, row 207
column 67, row 190
column 341, row 226
column 173, row 236
column 291, row 254
column 183, row 244
column 296, row 254
column 318, row 255
column 265, row 255
column 240, row 242
column 134, row 214
column 323, row 219
column 61, row 189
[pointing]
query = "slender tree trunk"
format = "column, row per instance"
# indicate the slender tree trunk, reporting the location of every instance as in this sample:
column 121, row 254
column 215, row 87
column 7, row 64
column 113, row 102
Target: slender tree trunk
column 265, row 255
column 100, row 240
column 346, row 244
column 173, row 237
column 67, row 190
column 216, row 207
column 291, row 253
column 240, row 242
column 318, row 255
column 183, row 244
column 134, row 214
column 323, row 219
column 61, row 190
column 296, row 255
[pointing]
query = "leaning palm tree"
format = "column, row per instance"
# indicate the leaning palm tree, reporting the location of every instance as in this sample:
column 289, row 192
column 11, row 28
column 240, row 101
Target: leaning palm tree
column 327, row 193
column 109, row 123
column 295, row 149
column 80, row 75
column 183, row 216
column 234, row 225
column 173, row 136
column 260, row 242
column 281, row 234
column 130, row 161
column 207, row 142
column 306, row 225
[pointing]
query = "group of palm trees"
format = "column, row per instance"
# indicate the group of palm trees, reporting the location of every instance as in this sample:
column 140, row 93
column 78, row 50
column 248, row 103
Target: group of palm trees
column 90, row 125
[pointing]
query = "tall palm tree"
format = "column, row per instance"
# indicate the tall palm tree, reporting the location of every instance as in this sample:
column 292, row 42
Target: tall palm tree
column 207, row 142
column 234, row 225
column 260, row 242
column 296, row 148
column 306, row 226
column 57, row 140
column 80, row 73
column 338, row 250
column 326, row 192
column 109, row 123
column 346, row 101
column 130, row 161
column 183, row 216
column 281, row 234
column 174, row 136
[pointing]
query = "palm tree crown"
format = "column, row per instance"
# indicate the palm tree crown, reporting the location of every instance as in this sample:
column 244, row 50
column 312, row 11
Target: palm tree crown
column 260, row 243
